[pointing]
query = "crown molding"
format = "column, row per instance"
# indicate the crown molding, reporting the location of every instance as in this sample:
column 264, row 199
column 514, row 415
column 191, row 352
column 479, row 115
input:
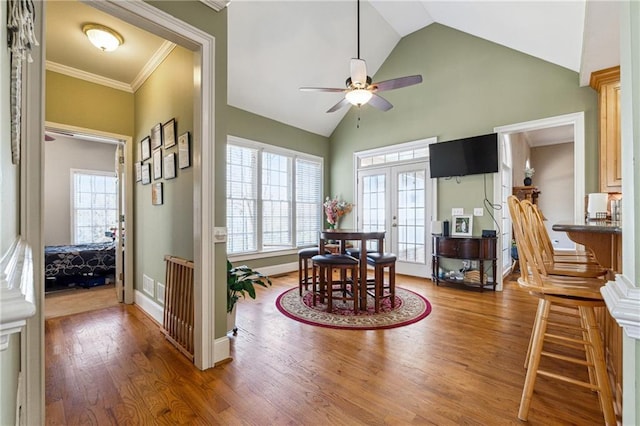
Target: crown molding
column 216, row 5
column 160, row 55
column 87, row 76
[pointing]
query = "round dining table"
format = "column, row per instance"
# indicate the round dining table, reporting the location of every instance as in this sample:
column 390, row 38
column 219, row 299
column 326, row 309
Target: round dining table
column 344, row 235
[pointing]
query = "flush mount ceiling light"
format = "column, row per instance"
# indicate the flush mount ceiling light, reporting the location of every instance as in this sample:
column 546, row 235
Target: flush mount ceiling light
column 104, row 38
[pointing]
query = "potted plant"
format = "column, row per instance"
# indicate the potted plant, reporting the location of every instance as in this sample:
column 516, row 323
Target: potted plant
column 241, row 280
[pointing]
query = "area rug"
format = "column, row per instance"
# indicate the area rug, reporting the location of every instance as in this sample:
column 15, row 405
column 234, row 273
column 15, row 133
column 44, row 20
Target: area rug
column 410, row 307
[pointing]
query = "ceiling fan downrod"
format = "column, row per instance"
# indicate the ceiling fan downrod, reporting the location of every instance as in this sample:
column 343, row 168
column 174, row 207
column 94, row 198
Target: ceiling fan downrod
column 358, row 27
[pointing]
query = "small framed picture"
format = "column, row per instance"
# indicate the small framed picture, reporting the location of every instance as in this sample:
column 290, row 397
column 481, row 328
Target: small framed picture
column 157, row 164
column 146, row 173
column 184, row 159
column 138, row 171
column 145, row 149
column 462, row 225
column 169, row 164
column 169, row 133
column 156, row 136
column 156, row 194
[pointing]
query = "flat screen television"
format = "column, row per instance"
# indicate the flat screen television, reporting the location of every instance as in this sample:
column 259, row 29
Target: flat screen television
column 466, row 156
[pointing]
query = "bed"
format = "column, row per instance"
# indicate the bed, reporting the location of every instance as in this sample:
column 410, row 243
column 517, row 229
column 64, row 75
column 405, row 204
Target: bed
column 84, row 264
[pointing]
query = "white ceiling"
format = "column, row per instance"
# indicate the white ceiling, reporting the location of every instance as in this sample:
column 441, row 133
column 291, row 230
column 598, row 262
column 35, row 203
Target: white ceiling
column 275, row 47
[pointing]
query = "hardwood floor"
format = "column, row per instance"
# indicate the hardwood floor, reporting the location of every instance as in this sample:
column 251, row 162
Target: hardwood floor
column 463, row 364
column 78, row 300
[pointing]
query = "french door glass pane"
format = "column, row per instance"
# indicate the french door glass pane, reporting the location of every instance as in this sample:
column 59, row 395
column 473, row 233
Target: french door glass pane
column 411, row 214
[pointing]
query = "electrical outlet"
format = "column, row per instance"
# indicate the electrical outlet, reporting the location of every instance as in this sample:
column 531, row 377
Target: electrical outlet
column 478, row 211
column 457, row 211
column 475, row 264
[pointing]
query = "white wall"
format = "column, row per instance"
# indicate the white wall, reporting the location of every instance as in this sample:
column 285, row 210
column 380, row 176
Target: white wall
column 554, row 178
column 60, row 156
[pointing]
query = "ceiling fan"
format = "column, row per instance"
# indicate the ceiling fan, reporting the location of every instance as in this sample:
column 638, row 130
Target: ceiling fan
column 360, row 90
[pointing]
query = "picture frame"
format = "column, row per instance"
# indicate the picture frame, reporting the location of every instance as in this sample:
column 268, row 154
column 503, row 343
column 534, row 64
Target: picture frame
column 146, row 173
column 156, row 194
column 169, row 164
column 138, row 171
column 462, row 225
column 169, row 133
column 145, row 148
column 157, row 164
column 184, row 150
column 156, row 136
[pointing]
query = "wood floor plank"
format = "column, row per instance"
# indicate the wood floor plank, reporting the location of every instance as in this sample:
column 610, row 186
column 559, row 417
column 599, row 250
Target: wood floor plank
column 463, row 364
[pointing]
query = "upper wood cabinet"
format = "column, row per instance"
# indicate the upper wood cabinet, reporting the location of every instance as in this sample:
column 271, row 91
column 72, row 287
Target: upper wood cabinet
column 607, row 83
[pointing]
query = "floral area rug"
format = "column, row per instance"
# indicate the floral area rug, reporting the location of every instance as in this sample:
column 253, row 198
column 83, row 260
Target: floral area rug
column 409, row 308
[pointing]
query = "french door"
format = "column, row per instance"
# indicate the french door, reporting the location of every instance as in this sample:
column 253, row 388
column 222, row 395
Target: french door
column 395, row 199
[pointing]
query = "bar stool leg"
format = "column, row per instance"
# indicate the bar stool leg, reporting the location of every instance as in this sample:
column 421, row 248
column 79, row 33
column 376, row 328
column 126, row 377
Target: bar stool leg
column 392, row 284
column 540, row 328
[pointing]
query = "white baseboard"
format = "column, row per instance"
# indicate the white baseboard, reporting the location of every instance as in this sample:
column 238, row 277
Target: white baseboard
column 155, row 310
column 221, row 349
column 283, row 268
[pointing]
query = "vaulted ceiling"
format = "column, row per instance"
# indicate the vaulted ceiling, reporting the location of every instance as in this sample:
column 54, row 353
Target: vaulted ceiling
column 275, row 47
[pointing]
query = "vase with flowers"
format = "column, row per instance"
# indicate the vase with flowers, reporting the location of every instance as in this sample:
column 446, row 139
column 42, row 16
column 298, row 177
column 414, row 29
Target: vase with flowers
column 334, row 209
column 528, row 174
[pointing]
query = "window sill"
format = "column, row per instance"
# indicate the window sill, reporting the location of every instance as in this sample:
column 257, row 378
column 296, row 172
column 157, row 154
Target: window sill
column 262, row 255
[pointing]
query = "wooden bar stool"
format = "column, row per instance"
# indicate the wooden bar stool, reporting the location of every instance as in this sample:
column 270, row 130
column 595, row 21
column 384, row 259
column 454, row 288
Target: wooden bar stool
column 377, row 288
column 327, row 286
column 582, row 295
column 304, row 262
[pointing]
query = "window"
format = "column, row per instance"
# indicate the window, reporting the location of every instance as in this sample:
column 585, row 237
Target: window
column 95, row 206
column 274, row 198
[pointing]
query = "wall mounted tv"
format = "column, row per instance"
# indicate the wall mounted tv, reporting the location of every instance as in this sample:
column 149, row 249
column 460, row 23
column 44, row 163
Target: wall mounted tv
column 467, row 156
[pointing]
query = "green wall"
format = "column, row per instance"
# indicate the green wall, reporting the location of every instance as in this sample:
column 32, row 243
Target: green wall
column 260, row 129
column 469, row 86
column 88, row 105
column 206, row 19
column 165, row 229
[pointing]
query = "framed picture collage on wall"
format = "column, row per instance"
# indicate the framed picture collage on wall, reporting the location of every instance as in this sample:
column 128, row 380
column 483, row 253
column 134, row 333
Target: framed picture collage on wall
column 157, row 157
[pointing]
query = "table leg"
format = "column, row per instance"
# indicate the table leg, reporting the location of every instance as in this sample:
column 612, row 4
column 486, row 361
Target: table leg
column 363, row 275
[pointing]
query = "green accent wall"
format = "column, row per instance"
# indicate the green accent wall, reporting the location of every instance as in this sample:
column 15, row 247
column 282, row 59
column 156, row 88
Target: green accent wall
column 166, row 229
column 206, row 19
column 254, row 127
column 470, row 86
column 88, row 105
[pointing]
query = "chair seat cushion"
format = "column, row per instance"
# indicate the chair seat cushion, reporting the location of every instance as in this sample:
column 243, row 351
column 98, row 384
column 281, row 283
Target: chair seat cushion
column 353, row 252
column 310, row 252
column 377, row 258
column 334, row 259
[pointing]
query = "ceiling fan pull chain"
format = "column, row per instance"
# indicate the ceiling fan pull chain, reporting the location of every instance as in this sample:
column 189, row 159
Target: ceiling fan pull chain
column 358, row 120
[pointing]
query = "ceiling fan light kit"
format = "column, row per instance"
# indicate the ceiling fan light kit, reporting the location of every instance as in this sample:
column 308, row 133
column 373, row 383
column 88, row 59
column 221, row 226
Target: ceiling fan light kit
column 104, row 38
column 360, row 90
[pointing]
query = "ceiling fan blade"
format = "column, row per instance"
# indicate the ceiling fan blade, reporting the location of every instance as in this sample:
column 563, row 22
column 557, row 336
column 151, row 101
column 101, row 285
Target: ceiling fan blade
column 397, row 83
column 320, row 89
column 338, row 105
column 358, row 71
column 380, row 103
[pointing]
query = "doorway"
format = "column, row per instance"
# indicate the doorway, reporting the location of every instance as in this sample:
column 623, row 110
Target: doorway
column 395, row 194
column 503, row 185
column 86, row 207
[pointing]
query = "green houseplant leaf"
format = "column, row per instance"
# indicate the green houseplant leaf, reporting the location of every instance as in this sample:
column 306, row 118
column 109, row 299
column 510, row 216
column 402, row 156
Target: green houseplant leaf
column 241, row 281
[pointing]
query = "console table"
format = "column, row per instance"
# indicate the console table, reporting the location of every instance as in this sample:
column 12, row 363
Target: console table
column 465, row 248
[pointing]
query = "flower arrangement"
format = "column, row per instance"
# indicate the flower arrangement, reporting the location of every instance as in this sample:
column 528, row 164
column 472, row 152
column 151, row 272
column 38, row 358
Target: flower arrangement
column 334, row 209
column 529, row 171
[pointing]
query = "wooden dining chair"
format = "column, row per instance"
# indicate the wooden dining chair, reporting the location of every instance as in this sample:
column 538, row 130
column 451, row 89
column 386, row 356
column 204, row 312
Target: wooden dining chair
column 327, row 287
column 554, row 265
column 573, row 294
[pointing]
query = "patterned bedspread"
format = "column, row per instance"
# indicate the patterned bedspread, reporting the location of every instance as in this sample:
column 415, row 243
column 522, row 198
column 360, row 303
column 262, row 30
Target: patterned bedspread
column 81, row 259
